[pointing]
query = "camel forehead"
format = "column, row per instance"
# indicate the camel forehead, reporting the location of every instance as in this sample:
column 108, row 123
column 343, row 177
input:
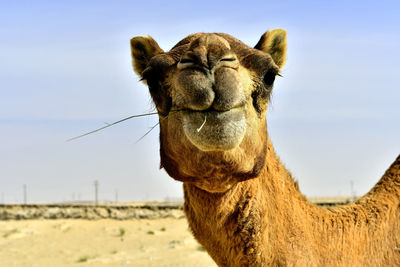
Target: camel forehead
column 207, row 39
column 220, row 41
column 216, row 44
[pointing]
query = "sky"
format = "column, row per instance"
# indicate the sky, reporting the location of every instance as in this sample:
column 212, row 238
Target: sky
column 65, row 69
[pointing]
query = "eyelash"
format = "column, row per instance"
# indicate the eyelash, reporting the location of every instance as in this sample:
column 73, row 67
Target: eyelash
column 183, row 61
column 228, row 59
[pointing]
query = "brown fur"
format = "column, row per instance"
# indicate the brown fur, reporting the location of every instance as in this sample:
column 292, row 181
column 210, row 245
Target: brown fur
column 241, row 203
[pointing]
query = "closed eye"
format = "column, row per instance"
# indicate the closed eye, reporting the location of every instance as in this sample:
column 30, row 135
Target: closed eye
column 228, row 59
column 186, row 61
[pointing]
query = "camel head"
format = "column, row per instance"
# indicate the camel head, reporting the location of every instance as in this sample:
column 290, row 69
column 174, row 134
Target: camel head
column 211, row 92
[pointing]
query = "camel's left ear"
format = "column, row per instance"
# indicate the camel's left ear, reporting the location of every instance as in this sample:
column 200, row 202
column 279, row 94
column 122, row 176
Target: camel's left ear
column 143, row 48
column 274, row 43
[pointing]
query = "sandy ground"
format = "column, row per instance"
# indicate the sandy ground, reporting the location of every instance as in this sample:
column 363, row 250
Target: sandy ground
column 162, row 242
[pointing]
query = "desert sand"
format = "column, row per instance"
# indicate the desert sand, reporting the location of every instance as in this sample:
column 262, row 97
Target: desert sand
column 127, row 234
column 105, row 242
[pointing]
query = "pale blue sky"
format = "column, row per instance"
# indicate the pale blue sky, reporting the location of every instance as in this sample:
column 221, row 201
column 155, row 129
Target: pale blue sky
column 65, row 69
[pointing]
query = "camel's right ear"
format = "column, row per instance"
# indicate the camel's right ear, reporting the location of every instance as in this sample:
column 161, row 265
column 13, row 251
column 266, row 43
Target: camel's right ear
column 143, row 48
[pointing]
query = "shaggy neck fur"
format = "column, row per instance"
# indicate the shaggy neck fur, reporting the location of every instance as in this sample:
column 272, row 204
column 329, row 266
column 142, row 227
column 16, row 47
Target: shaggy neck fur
column 266, row 221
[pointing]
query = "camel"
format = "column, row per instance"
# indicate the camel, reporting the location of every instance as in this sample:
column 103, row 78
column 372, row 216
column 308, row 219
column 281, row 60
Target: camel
column 211, row 93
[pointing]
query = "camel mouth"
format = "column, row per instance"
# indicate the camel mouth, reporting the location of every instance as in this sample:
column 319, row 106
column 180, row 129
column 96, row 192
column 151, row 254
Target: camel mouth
column 211, row 130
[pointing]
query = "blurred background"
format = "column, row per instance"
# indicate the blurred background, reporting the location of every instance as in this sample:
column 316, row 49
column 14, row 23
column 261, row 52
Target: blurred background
column 65, row 69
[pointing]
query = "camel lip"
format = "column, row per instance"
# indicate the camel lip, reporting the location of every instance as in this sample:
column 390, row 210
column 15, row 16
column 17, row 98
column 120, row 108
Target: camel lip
column 217, row 115
column 211, row 130
column 211, row 110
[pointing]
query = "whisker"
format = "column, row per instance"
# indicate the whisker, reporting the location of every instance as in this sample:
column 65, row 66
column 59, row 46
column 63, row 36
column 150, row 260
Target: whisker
column 130, row 117
column 111, row 124
column 158, row 123
column 201, row 126
column 151, row 129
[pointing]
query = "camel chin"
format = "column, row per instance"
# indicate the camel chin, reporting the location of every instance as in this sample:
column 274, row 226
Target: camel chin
column 215, row 130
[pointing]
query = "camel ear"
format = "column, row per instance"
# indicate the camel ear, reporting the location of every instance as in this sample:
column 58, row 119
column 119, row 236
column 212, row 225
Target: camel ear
column 143, row 48
column 274, row 43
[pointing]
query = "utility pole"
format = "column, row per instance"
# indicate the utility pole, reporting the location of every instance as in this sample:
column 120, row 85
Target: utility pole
column 116, row 195
column 96, row 192
column 2, row 198
column 24, row 189
column 353, row 193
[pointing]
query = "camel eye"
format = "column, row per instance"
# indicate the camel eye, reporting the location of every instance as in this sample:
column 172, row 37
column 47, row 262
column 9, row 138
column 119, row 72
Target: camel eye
column 146, row 73
column 269, row 78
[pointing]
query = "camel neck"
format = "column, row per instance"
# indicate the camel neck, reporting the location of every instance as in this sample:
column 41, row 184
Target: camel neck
column 245, row 213
column 273, row 182
column 261, row 221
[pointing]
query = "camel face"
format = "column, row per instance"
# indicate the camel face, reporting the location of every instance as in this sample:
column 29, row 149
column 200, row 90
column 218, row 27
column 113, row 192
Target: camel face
column 209, row 86
column 211, row 92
